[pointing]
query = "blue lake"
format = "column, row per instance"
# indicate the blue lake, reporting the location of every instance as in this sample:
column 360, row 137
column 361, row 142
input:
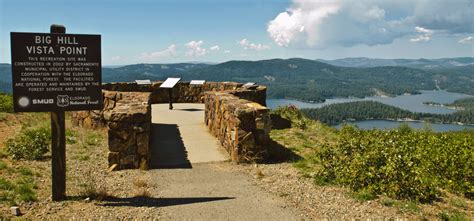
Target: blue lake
column 412, row 103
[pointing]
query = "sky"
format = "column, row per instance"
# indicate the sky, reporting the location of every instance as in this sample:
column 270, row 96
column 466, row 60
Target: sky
column 171, row 31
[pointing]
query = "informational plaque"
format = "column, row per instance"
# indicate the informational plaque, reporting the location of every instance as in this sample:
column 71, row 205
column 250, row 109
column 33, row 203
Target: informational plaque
column 56, row 72
column 170, row 82
column 248, row 84
column 143, row 82
column 197, row 82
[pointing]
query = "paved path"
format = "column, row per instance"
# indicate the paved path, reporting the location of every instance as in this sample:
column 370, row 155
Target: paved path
column 216, row 191
column 192, row 182
column 180, row 137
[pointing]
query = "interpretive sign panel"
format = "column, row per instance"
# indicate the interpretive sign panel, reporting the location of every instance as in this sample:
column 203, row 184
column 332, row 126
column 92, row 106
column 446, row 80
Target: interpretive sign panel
column 143, row 82
column 56, row 72
column 248, row 84
column 170, row 82
column 197, row 82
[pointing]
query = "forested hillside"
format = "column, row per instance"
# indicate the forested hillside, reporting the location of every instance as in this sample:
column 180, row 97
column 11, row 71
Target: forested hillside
column 314, row 81
column 303, row 79
column 367, row 110
column 440, row 63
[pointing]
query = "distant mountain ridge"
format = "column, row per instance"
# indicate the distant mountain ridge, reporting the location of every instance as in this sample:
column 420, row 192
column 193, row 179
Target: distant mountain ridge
column 306, row 79
column 422, row 63
column 147, row 71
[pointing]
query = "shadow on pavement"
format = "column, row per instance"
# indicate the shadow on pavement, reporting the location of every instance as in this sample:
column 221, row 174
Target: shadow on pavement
column 157, row 202
column 167, row 148
column 190, row 109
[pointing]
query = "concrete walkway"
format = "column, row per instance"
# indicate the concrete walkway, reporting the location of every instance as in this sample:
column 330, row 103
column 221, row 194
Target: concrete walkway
column 180, row 137
column 215, row 191
column 191, row 184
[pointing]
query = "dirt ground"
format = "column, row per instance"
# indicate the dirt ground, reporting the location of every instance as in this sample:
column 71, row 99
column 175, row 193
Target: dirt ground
column 207, row 191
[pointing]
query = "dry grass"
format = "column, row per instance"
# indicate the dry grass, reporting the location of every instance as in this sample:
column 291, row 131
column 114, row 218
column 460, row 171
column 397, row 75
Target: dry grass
column 140, row 183
column 142, row 193
column 91, row 187
column 259, row 173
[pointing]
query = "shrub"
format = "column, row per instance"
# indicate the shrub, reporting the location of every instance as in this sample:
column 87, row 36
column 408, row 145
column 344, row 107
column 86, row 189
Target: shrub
column 22, row 190
column 6, row 103
column 293, row 114
column 30, row 144
column 71, row 136
column 93, row 139
column 400, row 164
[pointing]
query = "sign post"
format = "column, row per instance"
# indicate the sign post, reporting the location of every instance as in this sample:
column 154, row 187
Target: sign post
column 58, row 144
column 56, row 72
column 169, row 84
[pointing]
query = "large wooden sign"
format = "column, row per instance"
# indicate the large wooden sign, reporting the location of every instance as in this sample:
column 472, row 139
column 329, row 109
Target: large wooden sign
column 56, row 72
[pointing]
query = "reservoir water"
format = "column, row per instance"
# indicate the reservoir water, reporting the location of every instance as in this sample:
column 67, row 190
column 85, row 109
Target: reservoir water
column 412, row 103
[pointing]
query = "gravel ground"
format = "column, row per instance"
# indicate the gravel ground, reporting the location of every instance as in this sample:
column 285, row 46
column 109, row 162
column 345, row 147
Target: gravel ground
column 222, row 191
column 319, row 202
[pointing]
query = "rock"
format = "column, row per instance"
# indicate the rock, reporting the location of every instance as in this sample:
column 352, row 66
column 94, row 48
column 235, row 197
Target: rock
column 142, row 143
column 113, row 167
column 15, row 211
column 114, row 158
column 88, row 199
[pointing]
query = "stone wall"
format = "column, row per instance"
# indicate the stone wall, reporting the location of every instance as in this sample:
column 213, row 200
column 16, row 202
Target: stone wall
column 242, row 126
column 127, row 116
column 183, row 92
column 236, row 115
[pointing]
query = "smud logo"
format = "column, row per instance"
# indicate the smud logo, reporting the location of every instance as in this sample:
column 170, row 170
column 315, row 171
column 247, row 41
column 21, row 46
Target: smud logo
column 63, row 100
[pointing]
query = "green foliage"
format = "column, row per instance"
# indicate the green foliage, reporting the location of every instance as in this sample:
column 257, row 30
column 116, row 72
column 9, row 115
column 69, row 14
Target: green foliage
column 3, row 165
column 23, row 190
column 300, row 78
column 3, row 154
column 458, row 203
column 71, row 136
column 366, row 110
column 400, row 164
column 409, row 207
column 25, row 171
column 315, row 81
column 30, row 144
column 467, row 103
column 293, row 114
column 6, row 103
column 93, row 139
column 452, row 216
column 363, row 195
column 388, row 202
column 84, row 157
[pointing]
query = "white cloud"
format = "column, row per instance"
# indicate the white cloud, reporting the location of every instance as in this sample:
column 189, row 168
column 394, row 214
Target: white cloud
column 423, row 30
column 421, row 38
column 159, row 55
column 226, row 52
column 319, row 24
column 450, row 16
column 195, row 49
column 425, row 34
column 215, row 48
column 247, row 45
column 466, row 40
column 116, row 58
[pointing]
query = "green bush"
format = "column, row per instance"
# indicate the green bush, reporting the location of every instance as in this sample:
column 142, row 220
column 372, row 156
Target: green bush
column 402, row 164
column 23, row 190
column 30, row 144
column 293, row 114
column 6, row 103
